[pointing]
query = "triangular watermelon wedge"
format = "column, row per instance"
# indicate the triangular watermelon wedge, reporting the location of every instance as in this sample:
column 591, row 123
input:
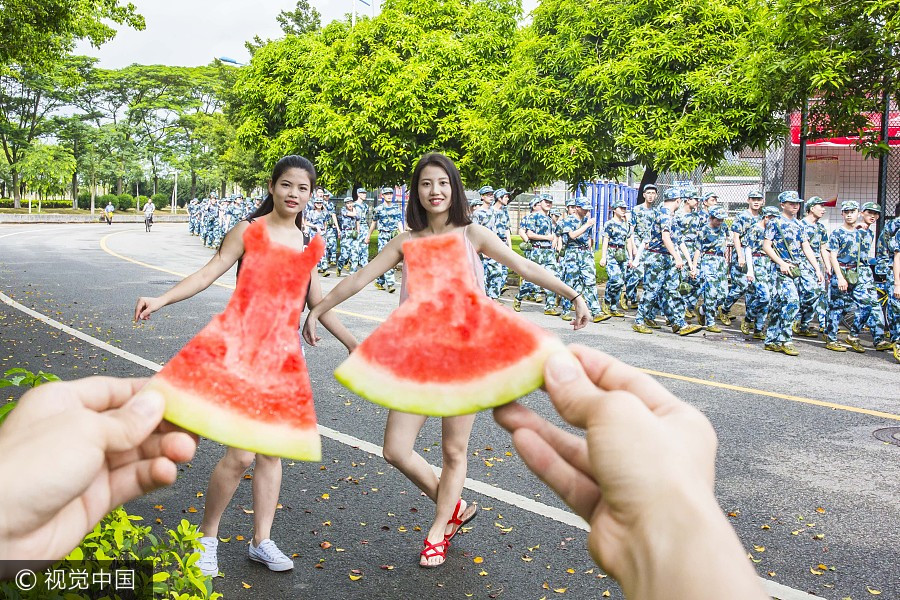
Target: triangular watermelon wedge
column 242, row 380
column 447, row 350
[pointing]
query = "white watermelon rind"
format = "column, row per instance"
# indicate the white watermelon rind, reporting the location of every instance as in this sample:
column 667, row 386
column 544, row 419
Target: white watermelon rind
column 211, row 420
column 445, row 399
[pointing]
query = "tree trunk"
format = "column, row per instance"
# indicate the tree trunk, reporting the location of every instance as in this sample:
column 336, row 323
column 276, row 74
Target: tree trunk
column 193, row 184
column 650, row 176
column 222, row 191
column 17, row 190
column 74, row 190
column 119, row 184
column 155, row 184
column 93, row 193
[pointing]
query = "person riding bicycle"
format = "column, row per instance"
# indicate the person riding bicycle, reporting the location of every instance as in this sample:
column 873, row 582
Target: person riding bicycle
column 108, row 213
column 149, row 208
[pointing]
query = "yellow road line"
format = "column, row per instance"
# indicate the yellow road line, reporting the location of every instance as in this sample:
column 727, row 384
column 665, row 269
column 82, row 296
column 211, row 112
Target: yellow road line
column 737, row 388
column 105, row 247
column 716, row 384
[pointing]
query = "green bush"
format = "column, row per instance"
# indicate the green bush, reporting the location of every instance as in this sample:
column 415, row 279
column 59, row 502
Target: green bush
column 84, row 199
column 141, row 201
column 10, row 203
column 125, row 202
column 105, row 199
column 161, row 200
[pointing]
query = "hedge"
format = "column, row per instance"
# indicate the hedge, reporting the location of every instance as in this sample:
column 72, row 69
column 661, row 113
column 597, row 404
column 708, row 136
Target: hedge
column 10, row 203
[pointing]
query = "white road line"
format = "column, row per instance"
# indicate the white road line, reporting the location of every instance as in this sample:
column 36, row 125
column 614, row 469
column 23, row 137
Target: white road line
column 774, row 589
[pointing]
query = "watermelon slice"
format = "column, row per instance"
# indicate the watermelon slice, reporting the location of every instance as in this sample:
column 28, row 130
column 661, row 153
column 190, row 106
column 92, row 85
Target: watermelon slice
column 448, row 350
column 242, row 380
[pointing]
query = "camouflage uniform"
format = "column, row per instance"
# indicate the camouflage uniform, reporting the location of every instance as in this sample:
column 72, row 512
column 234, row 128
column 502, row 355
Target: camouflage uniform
column 361, row 245
column 484, row 216
column 812, row 291
column 640, row 222
column 713, row 273
column 542, row 253
column 349, row 259
column 868, row 310
column 495, row 273
column 193, row 222
column 526, row 288
column 212, row 223
column 888, row 246
column 688, row 225
column 201, row 218
column 787, row 236
column 387, row 222
column 577, row 264
column 616, row 232
column 316, row 221
column 844, row 244
column 759, row 292
column 661, row 277
column 331, row 246
column 738, row 281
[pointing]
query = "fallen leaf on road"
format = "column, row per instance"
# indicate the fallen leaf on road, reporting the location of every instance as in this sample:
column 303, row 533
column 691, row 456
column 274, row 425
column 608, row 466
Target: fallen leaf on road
column 820, row 510
column 605, row 594
column 192, row 509
column 815, row 571
column 248, row 511
column 483, row 573
column 246, row 585
column 225, row 540
column 387, row 567
column 570, row 571
column 239, row 538
column 325, row 496
column 325, row 545
column 560, row 590
column 872, row 591
column 759, row 548
column 478, row 560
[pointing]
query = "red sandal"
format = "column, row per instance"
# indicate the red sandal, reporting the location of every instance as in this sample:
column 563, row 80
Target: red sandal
column 455, row 522
column 431, row 550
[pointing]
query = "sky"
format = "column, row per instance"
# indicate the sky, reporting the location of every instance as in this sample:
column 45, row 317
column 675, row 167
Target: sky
column 194, row 32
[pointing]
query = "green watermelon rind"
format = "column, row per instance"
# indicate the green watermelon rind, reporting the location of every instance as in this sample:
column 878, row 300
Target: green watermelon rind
column 211, row 420
column 447, row 399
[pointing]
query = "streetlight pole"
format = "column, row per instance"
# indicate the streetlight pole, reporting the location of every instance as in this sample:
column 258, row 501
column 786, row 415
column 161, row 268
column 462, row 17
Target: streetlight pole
column 175, row 192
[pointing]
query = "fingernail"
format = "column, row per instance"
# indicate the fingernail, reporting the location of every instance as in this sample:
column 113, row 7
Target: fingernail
column 148, row 404
column 561, row 368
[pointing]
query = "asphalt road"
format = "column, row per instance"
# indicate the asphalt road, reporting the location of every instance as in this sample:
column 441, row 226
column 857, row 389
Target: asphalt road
column 799, row 471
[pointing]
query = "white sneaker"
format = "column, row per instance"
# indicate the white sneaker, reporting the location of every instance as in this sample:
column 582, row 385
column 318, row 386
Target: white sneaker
column 268, row 554
column 209, row 562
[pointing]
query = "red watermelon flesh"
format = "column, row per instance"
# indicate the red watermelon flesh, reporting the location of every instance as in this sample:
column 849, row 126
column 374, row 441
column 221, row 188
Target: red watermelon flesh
column 447, row 350
column 242, row 380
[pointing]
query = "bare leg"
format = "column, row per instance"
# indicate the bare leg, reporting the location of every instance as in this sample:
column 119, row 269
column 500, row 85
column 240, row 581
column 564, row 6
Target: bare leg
column 266, row 486
column 222, row 484
column 399, row 439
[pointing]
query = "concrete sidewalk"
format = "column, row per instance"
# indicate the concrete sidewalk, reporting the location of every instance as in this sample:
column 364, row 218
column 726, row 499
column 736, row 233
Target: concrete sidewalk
column 64, row 218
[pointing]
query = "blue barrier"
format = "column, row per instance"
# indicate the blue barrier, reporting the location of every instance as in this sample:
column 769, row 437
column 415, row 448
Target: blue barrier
column 602, row 195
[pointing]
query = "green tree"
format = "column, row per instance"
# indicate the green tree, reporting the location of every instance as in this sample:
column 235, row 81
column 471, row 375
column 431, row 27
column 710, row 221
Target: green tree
column 39, row 32
column 303, row 19
column 366, row 102
column 843, row 56
column 47, row 169
column 28, row 98
column 595, row 85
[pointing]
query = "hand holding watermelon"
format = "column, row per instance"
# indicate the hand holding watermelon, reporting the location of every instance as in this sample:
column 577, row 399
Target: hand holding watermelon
column 642, row 478
column 79, row 449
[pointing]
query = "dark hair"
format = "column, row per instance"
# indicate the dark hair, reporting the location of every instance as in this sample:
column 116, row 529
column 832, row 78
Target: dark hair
column 416, row 217
column 291, row 161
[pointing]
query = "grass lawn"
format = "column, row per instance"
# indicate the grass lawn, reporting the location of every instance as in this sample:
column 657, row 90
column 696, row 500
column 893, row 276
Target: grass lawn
column 77, row 211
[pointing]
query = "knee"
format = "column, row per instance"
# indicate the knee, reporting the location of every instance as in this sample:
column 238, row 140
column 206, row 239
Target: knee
column 396, row 454
column 454, row 456
column 237, row 460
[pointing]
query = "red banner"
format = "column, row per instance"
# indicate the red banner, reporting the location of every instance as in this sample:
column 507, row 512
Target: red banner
column 874, row 119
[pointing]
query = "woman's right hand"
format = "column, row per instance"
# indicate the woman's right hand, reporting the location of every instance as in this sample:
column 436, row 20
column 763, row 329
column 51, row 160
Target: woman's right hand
column 145, row 307
column 309, row 328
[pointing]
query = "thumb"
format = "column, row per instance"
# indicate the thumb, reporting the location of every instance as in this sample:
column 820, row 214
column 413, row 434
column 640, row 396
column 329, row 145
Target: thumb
column 573, row 394
column 126, row 428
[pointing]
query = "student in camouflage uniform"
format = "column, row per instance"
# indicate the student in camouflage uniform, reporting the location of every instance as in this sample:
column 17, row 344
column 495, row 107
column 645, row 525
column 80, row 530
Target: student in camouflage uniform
column 193, row 222
column 473, row 204
column 639, row 223
column 707, row 202
column 483, row 215
column 495, row 274
column 362, row 239
column 759, row 276
column 331, row 233
column 712, row 239
column 614, row 256
column 786, row 244
column 527, row 290
column 388, row 219
column 887, row 277
column 316, row 220
column 688, row 223
column 349, row 222
column 539, row 229
column 868, row 310
column 211, row 218
column 812, row 289
column 843, row 246
column 663, row 268
column 738, row 276
column 578, row 267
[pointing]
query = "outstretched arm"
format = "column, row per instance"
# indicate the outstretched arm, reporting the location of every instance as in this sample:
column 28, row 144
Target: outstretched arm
column 231, row 250
column 389, row 256
column 329, row 320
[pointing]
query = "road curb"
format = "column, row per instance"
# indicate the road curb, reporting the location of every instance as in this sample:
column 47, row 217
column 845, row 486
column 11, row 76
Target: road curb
column 62, row 218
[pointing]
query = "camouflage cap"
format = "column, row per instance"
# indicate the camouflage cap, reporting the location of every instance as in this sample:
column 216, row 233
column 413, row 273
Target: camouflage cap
column 500, row 193
column 755, row 195
column 326, row 193
column 789, row 196
column 361, row 189
column 718, row 212
column 583, row 203
column 814, row 201
column 872, row 207
column 349, row 199
column 534, row 201
column 848, row 205
column 650, row 186
column 486, row 189
column 770, row 211
column 556, row 211
column 571, row 201
column 387, row 190
column 475, row 202
column 671, row 194
column 619, row 203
